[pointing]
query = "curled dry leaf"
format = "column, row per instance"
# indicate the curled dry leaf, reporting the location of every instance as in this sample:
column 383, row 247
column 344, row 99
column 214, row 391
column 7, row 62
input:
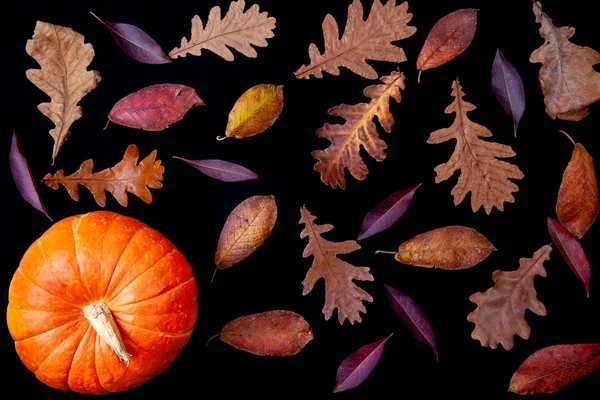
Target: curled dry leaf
column 221, row 170
column 450, row 247
column 482, row 174
column 126, row 176
column 64, row 59
column 135, row 42
column 448, row 38
column 155, row 107
column 358, row 131
column 577, row 204
column 387, row 213
column 246, row 228
column 412, row 317
column 340, row 291
column 362, row 40
column 571, row 251
column 508, row 88
column 255, row 111
column 551, row 368
column 358, row 366
column 238, row 29
column 23, row 178
column 500, row 312
column 271, row 333
column 568, row 79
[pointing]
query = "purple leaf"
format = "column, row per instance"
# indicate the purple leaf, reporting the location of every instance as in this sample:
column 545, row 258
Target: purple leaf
column 412, row 316
column 221, row 170
column 571, row 251
column 387, row 213
column 136, row 43
column 23, row 179
column 358, row 366
column 508, row 88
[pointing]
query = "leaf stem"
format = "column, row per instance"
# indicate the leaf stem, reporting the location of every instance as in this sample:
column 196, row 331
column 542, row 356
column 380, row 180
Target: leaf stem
column 213, row 275
column 385, row 252
column 97, row 17
column 419, row 76
column 567, row 135
column 211, row 338
column 219, row 138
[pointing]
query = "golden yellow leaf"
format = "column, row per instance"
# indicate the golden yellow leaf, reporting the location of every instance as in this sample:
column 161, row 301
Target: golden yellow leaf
column 64, row 77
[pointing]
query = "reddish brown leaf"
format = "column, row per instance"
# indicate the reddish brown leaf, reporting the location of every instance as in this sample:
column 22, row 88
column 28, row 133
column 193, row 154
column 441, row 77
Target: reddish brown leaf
column 155, row 107
column 340, row 291
column 271, row 333
column 246, row 228
column 577, row 204
column 571, row 251
column 451, row 247
column 500, row 312
column 448, row 38
column 549, row 369
column 358, row 131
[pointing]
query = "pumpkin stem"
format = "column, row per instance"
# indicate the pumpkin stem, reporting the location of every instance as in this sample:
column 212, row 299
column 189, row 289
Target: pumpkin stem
column 101, row 319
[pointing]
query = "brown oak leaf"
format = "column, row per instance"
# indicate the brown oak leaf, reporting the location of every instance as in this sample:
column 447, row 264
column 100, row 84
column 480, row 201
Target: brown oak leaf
column 359, row 130
column 500, row 312
column 126, row 176
column 340, row 291
column 569, row 82
column 481, row 173
column 362, row 40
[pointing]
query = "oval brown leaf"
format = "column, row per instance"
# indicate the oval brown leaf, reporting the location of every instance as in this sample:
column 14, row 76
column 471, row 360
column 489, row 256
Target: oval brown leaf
column 451, row 247
column 448, row 38
column 255, row 111
column 246, row 228
column 271, row 333
column 577, row 204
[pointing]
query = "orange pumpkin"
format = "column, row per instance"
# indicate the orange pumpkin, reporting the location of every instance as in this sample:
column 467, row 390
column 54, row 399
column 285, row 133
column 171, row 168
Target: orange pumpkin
column 101, row 303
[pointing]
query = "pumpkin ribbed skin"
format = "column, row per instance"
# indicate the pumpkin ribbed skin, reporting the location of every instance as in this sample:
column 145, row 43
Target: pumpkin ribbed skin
column 100, row 257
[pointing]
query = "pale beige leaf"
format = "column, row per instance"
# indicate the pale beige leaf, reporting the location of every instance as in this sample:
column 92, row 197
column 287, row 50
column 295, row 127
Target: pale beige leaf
column 500, row 312
column 64, row 59
column 481, row 173
column 238, row 29
column 369, row 39
column 126, row 176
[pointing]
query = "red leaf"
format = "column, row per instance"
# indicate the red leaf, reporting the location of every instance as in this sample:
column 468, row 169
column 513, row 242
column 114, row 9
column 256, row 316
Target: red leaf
column 155, row 107
column 221, row 170
column 551, row 368
column 571, row 251
column 358, row 366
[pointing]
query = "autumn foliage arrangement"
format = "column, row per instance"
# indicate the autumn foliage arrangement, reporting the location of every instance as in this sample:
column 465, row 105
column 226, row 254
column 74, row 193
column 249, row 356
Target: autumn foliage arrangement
column 102, row 303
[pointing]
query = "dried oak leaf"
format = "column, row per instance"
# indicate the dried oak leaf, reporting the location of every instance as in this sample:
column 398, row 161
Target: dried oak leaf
column 500, row 312
column 359, row 130
column 482, row 174
column 126, row 176
column 569, row 82
column 362, row 40
column 340, row 291
column 238, row 30
column 64, row 59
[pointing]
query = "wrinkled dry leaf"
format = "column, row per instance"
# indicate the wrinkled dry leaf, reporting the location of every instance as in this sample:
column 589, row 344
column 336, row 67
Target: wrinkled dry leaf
column 238, row 29
column 481, row 173
column 246, row 228
column 362, row 40
column 126, row 176
column 358, row 131
column 500, row 312
column 255, row 111
column 340, row 291
column 568, row 79
column 64, row 59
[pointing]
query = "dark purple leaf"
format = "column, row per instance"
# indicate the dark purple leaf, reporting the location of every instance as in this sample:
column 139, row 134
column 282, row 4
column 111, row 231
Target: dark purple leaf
column 387, row 213
column 571, row 251
column 358, row 366
column 412, row 316
column 508, row 88
column 136, row 43
column 23, row 179
column 221, row 170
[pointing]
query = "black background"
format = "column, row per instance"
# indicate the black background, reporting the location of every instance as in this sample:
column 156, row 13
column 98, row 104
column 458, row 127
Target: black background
column 191, row 208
